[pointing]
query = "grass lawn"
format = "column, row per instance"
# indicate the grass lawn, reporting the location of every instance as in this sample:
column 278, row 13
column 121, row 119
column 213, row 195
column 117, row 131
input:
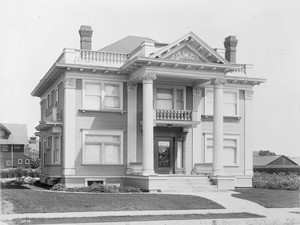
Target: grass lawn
column 133, row 218
column 29, row 201
column 270, row 198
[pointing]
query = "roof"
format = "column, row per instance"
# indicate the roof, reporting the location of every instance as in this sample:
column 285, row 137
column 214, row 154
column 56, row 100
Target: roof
column 127, row 44
column 18, row 134
column 264, row 160
column 295, row 159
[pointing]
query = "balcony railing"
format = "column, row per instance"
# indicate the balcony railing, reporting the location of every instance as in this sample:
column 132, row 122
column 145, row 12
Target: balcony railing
column 176, row 115
column 96, row 58
column 53, row 115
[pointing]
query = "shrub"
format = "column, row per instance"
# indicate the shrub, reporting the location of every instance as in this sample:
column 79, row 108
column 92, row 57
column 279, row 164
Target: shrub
column 58, row 187
column 277, row 181
column 19, row 172
column 14, row 184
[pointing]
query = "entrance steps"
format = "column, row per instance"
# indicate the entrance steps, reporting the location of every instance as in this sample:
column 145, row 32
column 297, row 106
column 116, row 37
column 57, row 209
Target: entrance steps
column 189, row 184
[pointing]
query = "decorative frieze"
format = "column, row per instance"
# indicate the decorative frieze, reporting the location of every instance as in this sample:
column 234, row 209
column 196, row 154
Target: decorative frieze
column 148, row 77
column 69, row 82
column 248, row 94
column 131, row 85
column 185, row 54
column 218, row 82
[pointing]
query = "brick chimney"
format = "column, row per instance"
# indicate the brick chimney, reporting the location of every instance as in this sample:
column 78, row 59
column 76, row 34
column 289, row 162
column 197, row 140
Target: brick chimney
column 230, row 44
column 85, row 33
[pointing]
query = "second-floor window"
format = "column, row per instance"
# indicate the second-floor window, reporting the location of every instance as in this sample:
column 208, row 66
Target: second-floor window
column 102, row 95
column 169, row 98
column 230, row 102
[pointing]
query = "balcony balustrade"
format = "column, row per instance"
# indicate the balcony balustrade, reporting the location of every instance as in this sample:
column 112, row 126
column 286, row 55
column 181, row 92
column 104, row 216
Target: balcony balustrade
column 176, row 115
column 95, row 58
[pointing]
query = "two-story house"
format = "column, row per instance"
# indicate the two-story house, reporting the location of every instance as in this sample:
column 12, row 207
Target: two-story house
column 13, row 138
column 139, row 112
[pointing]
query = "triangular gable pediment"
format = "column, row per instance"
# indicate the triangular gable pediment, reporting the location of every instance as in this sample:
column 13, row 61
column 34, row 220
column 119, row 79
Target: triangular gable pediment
column 185, row 53
column 191, row 46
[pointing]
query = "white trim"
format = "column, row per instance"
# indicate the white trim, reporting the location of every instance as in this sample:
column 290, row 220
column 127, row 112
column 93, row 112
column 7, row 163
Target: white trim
column 225, row 136
column 20, row 161
column 27, row 161
column 106, row 132
column 205, row 109
column 174, row 89
column 102, row 84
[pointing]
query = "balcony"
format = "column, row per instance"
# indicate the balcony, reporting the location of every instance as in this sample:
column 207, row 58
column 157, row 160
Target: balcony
column 51, row 119
column 95, row 58
column 183, row 118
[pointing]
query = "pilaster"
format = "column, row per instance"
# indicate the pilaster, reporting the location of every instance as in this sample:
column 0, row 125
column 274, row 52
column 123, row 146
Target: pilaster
column 131, row 122
column 197, row 130
column 248, row 169
column 69, row 114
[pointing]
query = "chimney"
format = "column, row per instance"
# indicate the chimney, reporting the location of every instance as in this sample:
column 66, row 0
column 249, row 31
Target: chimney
column 85, row 33
column 230, row 44
column 32, row 140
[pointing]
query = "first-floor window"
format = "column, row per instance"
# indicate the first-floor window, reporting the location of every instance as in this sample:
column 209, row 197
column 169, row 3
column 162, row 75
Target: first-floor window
column 230, row 149
column 20, row 161
column 27, row 161
column 102, row 147
column 56, row 150
column 4, row 148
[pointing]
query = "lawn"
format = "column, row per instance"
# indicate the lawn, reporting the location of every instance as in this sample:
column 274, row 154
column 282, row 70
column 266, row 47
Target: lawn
column 270, row 198
column 29, row 201
column 133, row 218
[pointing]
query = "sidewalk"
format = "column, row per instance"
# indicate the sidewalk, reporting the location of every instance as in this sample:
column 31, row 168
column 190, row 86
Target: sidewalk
column 231, row 204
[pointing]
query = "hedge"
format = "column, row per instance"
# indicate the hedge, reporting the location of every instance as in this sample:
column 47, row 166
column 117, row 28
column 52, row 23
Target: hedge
column 19, row 172
column 97, row 188
column 277, row 181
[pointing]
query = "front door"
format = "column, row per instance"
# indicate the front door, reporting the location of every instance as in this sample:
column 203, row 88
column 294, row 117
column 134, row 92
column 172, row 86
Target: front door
column 164, row 155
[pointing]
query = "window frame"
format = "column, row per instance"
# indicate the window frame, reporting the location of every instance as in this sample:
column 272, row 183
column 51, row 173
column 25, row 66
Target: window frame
column 106, row 132
column 27, row 161
column 4, row 150
column 225, row 90
column 20, row 161
column 53, row 149
column 174, row 88
column 235, row 137
column 102, row 86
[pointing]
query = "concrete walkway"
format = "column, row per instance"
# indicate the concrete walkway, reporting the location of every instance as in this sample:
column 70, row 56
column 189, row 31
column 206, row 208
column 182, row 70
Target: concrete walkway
column 231, row 204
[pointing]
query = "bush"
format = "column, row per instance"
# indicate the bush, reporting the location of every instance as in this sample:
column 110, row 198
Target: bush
column 13, row 184
column 19, row 172
column 58, row 187
column 97, row 188
column 277, row 181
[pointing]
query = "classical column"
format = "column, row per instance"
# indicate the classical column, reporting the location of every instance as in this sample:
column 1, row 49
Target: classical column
column 68, row 151
column 248, row 133
column 132, row 122
column 148, row 151
column 218, row 127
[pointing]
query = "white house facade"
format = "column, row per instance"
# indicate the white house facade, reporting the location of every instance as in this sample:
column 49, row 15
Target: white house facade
column 147, row 114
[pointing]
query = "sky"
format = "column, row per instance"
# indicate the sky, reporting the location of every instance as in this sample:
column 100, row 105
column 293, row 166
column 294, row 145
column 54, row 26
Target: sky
column 33, row 34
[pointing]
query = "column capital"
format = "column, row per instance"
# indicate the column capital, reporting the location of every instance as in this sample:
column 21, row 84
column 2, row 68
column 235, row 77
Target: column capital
column 148, row 77
column 218, row 82
column 249, row 94
column 131, row 85
column 69, row 82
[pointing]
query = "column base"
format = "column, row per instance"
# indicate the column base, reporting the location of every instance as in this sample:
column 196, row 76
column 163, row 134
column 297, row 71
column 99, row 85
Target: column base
column 148, row 172
column 248, row 172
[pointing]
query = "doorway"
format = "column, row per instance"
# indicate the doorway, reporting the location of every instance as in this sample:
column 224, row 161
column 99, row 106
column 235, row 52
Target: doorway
column 164, row 155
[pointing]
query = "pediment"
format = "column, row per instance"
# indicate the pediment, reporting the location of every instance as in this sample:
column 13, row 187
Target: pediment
column 185, row 54
column 190, row 48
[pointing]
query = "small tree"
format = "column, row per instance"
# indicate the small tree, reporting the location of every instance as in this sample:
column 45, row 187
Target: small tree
column 33, row 155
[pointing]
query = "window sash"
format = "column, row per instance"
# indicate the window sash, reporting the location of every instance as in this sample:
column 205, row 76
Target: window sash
column 102, row 149
column 170, row 98
column 107, row 96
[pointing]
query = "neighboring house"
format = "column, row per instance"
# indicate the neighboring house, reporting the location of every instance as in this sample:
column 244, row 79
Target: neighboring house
column 275, row 163
column 13, row 138
column 139, row 112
